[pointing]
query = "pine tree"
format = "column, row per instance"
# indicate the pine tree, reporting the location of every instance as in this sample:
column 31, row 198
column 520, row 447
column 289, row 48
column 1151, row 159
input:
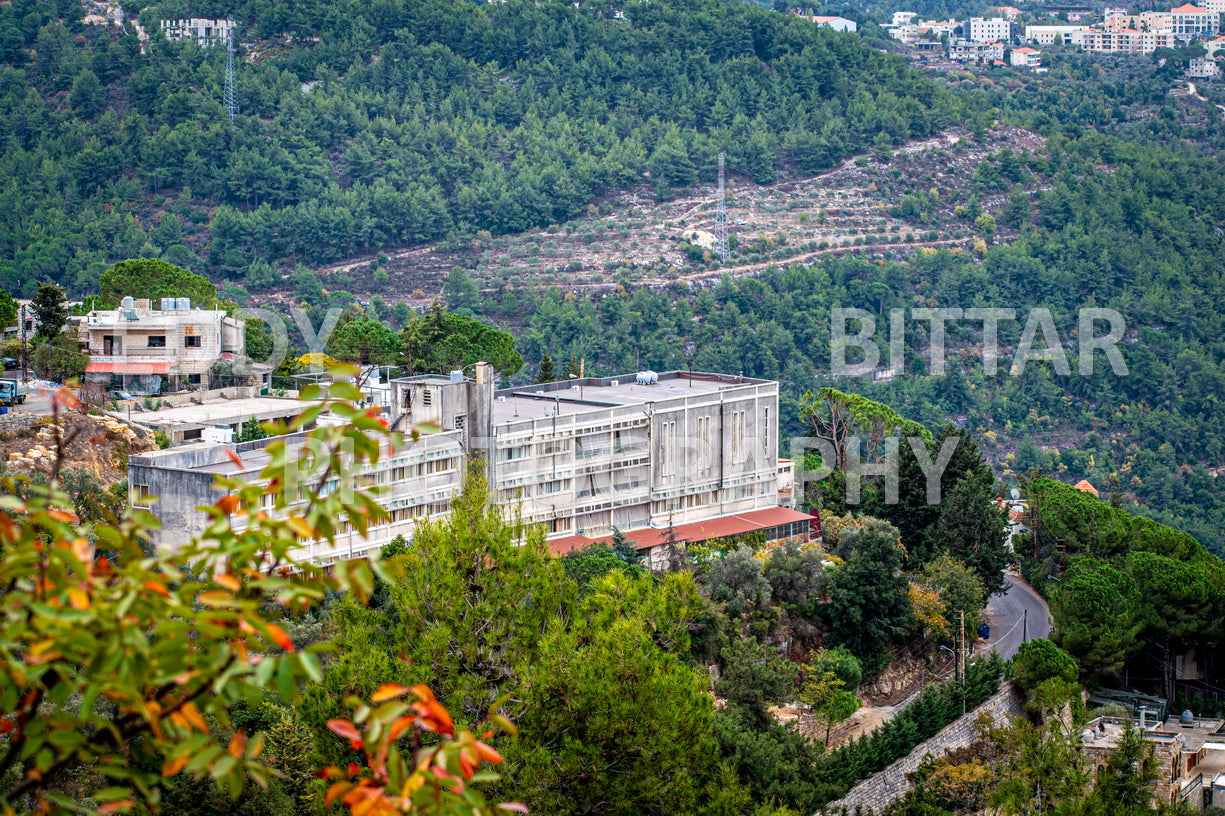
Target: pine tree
column 546, row 373
column 572, row 368
column 623, row 549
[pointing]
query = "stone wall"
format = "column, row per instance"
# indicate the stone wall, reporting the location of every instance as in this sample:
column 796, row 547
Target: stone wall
column 17, row 422
column 873, row 794
column 190, row 398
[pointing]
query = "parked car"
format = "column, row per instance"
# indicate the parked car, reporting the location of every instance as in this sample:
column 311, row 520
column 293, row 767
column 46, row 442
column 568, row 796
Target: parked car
column 8, row 363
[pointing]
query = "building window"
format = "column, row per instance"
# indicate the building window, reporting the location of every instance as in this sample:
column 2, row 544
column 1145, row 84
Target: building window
column 141, row 496
column 197, row 433
column 427, row 397
column 193, row 379
column 667, row 449
column 459, row 422
column 738, row 449
column 705, row 453
column 157, row 341
column 191, row 341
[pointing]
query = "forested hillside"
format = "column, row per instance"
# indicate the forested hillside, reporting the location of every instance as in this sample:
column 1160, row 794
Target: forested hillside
column 364, row 126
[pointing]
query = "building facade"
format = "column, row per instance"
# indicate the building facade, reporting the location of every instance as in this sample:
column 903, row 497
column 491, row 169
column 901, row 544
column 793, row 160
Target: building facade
column 203, row 33
column 1047, row 34
column 143, row 350
column 1026, row 58
column 643, row 454
column 980, row 30
column 986, row 53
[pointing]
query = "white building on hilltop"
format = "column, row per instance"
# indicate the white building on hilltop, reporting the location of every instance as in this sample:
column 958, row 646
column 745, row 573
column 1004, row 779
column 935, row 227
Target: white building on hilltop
column 202, row 32
column 686, row 456
column 985, row 31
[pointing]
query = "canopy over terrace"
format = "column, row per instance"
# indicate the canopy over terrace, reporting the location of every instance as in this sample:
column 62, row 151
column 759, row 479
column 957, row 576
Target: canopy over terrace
column 776, row 523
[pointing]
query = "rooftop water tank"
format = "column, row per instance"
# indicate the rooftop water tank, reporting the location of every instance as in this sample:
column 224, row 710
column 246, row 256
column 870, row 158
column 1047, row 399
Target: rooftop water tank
column 457, row 376
column 646, row 378
column 127, row 303
column 183, row 304
column 1187, row 718
column 167, row 304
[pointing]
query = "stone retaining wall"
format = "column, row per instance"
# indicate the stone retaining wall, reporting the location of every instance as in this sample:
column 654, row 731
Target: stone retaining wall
column 873, row 794
column 20, row 421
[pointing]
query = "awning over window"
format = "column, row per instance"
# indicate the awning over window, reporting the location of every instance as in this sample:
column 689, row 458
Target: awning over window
column 127, row 368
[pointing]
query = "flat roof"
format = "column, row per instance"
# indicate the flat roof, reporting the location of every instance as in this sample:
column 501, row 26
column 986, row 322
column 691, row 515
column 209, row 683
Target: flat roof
column 600, row 393
column 221, row 411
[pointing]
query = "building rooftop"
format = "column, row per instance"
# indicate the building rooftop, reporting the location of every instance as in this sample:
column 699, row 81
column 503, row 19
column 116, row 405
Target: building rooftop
column 601, row 393
column 1188, row 9
column 645, row 538
column 221, row 411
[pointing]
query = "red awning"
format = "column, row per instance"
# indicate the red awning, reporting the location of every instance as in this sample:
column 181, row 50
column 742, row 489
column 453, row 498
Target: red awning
column 715, row 528
column 127, row 368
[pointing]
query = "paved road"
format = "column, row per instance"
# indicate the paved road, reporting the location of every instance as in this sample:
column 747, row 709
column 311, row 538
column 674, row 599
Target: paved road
column 37, row 402
column 1008, row 621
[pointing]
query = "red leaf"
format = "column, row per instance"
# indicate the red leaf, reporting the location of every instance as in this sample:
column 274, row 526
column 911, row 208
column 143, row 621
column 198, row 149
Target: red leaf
column 344, row 728
column 388, row 691
column 279, row 637
column 517, row 807
column 234, row 458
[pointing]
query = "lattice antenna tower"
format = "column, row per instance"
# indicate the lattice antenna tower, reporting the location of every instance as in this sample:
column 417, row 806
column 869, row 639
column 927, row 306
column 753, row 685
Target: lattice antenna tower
column 231, row 78
column 721, row 214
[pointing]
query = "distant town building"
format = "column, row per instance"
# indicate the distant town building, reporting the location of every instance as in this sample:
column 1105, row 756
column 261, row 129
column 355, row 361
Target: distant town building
column 143, row 350
column 202, row 32
column 1214, row 45
column 1007, row 12
column 1126, row 41
column 1048, row 34
column 836, row 23
column 1026, row 57
column 1186, row 22
column 1203, row 68
column 985, row 53
column 980, row 30
column 901, row 18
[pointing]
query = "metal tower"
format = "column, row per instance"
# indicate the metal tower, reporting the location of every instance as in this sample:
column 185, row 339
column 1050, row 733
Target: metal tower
column 721, row 215
column 231, row 79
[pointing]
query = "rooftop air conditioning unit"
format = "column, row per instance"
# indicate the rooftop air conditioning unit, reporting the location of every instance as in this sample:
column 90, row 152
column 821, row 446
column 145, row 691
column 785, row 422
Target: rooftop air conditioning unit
column 614, row 383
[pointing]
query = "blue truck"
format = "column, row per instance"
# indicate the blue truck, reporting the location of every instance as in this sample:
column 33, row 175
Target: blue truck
column 13, row 392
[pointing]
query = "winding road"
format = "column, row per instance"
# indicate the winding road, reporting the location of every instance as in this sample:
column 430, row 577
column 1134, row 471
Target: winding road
column 1015, row 616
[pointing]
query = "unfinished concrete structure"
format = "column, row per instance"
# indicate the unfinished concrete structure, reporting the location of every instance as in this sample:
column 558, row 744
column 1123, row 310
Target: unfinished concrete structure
column 646, row 453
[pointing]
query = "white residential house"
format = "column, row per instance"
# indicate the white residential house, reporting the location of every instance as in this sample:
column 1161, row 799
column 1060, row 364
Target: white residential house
column 836, row 23
column 1047, row 34
column 143, row 350
column 1026, row 57
column 901, row 18
column 1203, row 68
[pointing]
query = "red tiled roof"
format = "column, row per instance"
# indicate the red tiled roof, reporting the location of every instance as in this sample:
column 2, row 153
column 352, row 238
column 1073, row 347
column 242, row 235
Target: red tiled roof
column 1026, row 50
column 721, row 527
column 127, row 368
column 1084, row 485
column 1188, row 9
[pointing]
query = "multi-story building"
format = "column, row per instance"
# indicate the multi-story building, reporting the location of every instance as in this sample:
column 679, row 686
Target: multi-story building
column 1203, row 68
column 671, row 457
column 1047, row 34
column 985, row 31
column 901, row 18
column 1189, row 22
column 1026, row 57
column 1007, row 12
column 202, row 32
column 1186, row 22
column 146, row 350
column 1126, row 41
column 985, row 53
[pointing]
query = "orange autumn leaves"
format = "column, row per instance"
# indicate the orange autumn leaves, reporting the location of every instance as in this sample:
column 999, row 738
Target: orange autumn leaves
column 436, row 775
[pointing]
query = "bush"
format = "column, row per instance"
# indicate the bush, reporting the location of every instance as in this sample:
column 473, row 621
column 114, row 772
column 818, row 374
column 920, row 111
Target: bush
column 1040, row 660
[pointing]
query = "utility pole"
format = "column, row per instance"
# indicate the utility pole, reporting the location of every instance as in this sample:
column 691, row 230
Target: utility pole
column 231, row 78
column 1025, row 627
column 962, row 636
column 721, row 215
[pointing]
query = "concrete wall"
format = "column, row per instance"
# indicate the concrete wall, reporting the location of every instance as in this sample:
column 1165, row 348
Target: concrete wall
column 881, row 789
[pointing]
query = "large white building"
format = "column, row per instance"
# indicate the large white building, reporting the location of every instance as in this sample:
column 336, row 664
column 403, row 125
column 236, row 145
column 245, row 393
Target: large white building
column 689, row 456
column 1046, row 34
column 996, row 29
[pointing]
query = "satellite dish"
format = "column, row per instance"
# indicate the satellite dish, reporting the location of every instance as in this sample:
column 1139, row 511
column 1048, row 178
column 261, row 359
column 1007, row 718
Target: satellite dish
column 1016, row 494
